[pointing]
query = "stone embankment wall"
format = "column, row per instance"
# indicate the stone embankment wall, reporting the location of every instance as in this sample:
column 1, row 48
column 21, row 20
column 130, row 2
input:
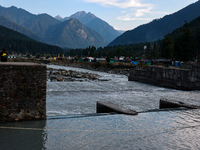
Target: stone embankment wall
column 22, row 91
column 176, row 78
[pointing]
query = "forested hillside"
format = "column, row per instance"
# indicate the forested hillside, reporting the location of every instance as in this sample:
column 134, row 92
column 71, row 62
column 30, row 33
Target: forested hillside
column 183, row 43
column 14, row 41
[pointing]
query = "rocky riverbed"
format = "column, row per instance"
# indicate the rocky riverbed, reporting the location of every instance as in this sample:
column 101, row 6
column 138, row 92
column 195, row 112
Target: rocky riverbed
column 121, row 69
column 108, row 68
column 61, row 75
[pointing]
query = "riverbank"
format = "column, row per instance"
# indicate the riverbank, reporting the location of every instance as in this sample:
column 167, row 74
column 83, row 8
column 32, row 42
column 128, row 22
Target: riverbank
column 120, row 69
column 115, row 68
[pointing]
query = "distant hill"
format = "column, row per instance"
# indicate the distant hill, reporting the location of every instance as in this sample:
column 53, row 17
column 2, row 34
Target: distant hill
column 156, row 29
column 53, row 31
column 97, row 24
column 15, row 41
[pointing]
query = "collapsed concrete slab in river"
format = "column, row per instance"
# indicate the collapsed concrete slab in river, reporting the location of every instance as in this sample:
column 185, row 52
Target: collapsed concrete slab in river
column 166, row 103
column 108, row 107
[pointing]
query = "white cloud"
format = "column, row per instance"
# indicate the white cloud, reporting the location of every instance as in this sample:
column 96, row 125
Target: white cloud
column 119, row 3
column 128, row 17
column 135, row 7
column 139, row 15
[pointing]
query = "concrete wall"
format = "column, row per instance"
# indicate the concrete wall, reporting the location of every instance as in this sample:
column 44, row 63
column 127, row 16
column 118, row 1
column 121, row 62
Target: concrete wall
column 176, row 78
column 22, row 91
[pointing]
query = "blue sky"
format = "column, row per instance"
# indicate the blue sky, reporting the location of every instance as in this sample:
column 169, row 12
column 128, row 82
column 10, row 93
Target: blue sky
column 121, row 14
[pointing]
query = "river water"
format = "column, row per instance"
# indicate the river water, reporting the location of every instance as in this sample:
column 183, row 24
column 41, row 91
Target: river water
column 72, row 124
column 67, row 98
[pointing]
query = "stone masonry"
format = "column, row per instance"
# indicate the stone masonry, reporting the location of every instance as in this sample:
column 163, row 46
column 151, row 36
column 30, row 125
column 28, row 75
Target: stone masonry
column 22, row 91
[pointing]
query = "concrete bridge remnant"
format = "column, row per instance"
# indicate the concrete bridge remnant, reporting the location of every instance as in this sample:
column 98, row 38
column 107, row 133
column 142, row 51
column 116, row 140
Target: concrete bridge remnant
column 22, row 91
column 187, row 78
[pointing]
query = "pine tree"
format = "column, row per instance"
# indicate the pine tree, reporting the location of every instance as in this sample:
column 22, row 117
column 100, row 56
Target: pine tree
column 185, row 45
column 167, row 48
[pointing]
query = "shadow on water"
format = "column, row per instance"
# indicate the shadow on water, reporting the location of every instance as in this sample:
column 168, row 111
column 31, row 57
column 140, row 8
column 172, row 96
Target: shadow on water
column 29, row 135
column 178, row 129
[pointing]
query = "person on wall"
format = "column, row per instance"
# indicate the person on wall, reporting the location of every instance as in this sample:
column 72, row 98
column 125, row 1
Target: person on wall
column 4, row 56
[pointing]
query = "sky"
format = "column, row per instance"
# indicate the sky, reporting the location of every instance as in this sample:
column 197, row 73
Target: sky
column 121, row 14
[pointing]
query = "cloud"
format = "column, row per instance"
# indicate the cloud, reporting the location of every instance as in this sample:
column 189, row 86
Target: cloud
column 140, row 9
column 128, row 17
column 139, row 15
column 119, row 3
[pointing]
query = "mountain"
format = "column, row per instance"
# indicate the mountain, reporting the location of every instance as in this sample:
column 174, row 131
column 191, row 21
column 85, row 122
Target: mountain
column 11, row 25
column 31, row 22
column 40, row 23
column 156, row 29
column 72, row 33
column 58, row 17
column 95, row 23
column 17, row 42
column 53, row 31
column 82, row 16
column 17, row 15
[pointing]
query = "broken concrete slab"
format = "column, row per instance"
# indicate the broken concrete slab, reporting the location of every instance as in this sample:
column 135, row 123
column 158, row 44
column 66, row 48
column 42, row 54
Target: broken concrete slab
column 108, row 107
column 166, row 103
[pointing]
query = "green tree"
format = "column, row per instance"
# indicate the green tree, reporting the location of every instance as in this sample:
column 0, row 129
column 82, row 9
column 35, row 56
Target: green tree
column 185, row 45
column 119, row 52
column 108, row 59
column 167, row 47
column 92, row 51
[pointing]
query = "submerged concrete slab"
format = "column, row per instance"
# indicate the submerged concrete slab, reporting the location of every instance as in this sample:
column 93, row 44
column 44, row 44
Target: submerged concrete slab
column 108, row 107
column 166, row 103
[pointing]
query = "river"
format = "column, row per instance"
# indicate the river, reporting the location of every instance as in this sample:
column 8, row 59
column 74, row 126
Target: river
column 67, row 98
column 73, row 125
